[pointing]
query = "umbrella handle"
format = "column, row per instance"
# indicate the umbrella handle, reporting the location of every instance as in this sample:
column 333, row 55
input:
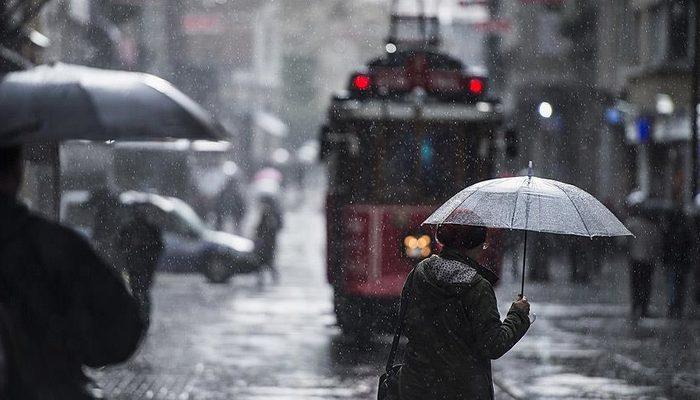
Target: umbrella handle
column 522, row 283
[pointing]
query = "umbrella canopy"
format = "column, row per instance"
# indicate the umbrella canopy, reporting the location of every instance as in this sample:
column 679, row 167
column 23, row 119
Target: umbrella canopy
column 64, row 102
column 529, row 203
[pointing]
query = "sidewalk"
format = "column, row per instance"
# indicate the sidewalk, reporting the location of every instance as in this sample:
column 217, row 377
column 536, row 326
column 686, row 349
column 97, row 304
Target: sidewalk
column 584, row 345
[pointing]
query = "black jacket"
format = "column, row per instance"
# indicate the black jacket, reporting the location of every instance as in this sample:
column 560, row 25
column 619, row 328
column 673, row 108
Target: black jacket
column 68, row 309
column 454, row 331
column 679, row 244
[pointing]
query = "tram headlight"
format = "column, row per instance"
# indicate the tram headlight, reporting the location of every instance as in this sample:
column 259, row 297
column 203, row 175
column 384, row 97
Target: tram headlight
column 424, row 241
column 417, row 247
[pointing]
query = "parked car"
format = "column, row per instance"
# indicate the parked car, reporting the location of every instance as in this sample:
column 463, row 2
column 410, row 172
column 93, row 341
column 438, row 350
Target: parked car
column 190, row 246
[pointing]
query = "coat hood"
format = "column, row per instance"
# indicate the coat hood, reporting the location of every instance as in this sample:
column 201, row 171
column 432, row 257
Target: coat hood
column 13, row 215
column 450, row 272
column 446, row 276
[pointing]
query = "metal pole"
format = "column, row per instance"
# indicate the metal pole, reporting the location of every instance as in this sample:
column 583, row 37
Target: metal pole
column 694, row 102
column 522, row 283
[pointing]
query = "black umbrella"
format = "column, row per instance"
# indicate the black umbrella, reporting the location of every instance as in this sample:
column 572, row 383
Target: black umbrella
column 52, row 103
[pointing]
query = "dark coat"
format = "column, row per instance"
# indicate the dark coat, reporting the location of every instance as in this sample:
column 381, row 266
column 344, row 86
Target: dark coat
column 454, row 330
column 68, row 309
column 140, row 246
column 678, row 246
column 266, row 232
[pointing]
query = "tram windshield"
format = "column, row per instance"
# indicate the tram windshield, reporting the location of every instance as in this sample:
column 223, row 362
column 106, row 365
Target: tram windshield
column 402, row 163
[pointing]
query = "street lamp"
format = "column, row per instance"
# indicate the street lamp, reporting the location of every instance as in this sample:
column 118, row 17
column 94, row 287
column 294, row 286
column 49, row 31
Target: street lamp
column 545, row 109
column 664, row 104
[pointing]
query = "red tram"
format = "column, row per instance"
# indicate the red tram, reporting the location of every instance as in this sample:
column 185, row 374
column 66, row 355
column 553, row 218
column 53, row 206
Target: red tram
column 413, row 128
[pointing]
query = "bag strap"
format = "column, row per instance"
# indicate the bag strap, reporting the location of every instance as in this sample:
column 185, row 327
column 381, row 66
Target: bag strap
column 405, row 295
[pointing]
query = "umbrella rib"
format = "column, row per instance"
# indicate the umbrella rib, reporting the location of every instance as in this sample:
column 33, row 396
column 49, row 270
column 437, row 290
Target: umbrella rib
column 515, row 207
column 575, row 208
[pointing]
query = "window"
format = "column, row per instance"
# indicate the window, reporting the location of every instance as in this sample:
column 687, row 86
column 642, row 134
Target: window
column 679, row 31
column 667, row 33
column 632, row 51
column 656, row 35
column 399, row 162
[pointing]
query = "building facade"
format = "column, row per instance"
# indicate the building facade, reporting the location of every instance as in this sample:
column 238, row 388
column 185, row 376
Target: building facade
column 560, row 66
column 658, row 88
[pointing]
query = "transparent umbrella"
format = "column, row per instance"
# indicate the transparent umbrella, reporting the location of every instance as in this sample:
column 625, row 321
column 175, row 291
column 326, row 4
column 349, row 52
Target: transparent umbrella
column 529, row 203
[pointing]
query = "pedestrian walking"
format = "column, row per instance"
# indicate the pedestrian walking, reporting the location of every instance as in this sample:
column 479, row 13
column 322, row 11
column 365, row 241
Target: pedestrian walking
column 538, row 260
column 678, row 248
column 695, row 264
column 231, row 206
column 266, row 235
column 106, row 223
column 580, row 262
column 452, row 322
column 697, row 285
column 140, row 245
column 67, row 307
column 644, row 252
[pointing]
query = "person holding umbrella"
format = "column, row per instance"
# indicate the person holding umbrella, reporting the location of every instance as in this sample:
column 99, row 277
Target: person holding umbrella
column 448, row 305
column 66, row 309
column 452, row 322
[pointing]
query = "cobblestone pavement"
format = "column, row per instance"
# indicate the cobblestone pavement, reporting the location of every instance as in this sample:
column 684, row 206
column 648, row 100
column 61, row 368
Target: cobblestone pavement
column 241, row 341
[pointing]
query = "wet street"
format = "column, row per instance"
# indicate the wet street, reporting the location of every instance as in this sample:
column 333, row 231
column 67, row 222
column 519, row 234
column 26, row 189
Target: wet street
column 156, row 129
column 242, row 341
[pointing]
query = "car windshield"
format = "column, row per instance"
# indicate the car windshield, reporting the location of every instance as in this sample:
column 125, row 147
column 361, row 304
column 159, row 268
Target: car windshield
column 187, row 216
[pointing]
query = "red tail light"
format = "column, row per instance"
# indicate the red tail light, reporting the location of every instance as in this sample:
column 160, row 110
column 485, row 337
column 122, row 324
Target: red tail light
column 361, row 82
column 476, row 86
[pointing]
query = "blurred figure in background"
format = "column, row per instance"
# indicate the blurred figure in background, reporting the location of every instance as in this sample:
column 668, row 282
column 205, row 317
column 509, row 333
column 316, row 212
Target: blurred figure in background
column 538, row 258
column 697, row 282
column 107, row 220
column 268, row 226
column 231, row 207
column 644, row 251
column 140, row 245
column 697, row 285
column 696, row 263
column 581, row 262
column 678, row 248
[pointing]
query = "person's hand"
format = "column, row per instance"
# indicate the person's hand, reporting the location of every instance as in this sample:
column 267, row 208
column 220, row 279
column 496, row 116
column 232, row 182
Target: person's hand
column 522, row 304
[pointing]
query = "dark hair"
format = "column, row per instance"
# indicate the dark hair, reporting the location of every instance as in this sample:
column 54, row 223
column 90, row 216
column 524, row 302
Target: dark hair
column 461, row 236
column 10, row 158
